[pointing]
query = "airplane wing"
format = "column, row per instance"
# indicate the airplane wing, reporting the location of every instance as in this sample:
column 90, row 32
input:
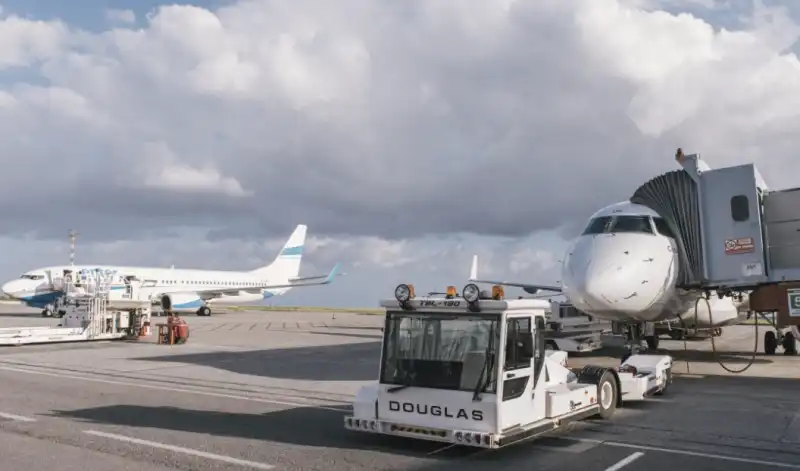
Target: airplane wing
column 529, row 288
column 292, row 283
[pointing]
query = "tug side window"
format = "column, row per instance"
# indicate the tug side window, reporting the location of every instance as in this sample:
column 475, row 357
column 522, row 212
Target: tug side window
column 515, row 357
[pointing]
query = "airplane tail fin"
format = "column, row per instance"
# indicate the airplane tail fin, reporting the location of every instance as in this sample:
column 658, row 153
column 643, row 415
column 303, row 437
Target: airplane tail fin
column 287, row 264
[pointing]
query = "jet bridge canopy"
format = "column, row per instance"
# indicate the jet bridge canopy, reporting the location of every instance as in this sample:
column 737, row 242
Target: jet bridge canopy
column 733, row 232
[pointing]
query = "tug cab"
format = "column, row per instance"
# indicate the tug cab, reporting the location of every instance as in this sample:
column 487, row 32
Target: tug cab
column 472, row 369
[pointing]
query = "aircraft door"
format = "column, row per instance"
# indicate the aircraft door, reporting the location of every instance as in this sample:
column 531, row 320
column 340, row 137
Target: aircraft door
column 517, row 373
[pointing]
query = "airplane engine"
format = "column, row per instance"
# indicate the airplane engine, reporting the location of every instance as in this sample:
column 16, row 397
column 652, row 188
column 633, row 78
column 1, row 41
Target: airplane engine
column 724, row 312
column 180, row 302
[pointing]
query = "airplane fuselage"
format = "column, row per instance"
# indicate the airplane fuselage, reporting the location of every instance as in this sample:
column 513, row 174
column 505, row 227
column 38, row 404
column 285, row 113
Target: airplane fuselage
column 35, row 290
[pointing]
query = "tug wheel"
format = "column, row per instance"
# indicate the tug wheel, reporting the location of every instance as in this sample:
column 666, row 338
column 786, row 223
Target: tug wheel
column 667, row 382
column 607, row 394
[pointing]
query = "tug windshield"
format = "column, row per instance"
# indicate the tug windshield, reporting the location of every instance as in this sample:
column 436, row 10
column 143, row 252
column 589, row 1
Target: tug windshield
column 440, row 351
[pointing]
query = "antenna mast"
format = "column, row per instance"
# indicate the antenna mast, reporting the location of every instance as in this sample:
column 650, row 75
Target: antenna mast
column 72, row 236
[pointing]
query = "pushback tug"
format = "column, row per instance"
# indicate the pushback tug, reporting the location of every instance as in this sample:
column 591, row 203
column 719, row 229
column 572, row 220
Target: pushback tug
column 473, row 370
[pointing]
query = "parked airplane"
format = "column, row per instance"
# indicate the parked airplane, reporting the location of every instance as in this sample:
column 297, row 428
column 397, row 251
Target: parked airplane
column 176, row 289
column 624, row 268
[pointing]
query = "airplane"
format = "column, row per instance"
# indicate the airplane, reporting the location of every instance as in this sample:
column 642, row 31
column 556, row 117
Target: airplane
column 176, row 290
column 623, row 268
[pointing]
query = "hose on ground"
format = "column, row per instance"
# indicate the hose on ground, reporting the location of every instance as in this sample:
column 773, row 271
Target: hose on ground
column 713, row 343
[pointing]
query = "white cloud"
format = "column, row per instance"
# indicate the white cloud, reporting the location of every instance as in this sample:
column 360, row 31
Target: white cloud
column 392, row 129
column 24, row 42
column 121, row 16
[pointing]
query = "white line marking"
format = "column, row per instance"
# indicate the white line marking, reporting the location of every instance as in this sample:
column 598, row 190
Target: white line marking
column 439, row 450
column 625, row 461
column 180, row 390
column 178, row 449
column 698, row 454
column 18, row 418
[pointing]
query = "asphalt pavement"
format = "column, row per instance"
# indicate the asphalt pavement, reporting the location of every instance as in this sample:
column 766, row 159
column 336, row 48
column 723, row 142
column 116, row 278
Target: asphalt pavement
column 257, row 390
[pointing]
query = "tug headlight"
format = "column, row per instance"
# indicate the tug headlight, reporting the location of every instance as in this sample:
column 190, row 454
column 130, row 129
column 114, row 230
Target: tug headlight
column 471, row 293
column 404, row 292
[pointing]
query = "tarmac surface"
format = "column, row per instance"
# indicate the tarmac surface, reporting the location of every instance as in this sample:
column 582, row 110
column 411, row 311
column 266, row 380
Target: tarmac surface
column 267, row 390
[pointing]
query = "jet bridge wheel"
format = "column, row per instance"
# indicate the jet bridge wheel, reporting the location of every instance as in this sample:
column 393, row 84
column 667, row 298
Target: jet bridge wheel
column 652, row 342
column 770, row 342
column 788, row 344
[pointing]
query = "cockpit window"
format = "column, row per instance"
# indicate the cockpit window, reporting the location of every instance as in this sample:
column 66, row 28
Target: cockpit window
column 638, row 224
column 663, row 228
column 28, row 276
column 598, row 225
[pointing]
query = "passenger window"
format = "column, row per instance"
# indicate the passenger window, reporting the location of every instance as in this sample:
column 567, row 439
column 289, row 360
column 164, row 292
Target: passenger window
column 663, row 228
column 740, row 208
column 513, row 358
column 637, row 224
column 597, row 225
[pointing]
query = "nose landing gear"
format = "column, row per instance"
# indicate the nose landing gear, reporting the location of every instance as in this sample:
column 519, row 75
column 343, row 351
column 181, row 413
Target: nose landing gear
column 640, row 337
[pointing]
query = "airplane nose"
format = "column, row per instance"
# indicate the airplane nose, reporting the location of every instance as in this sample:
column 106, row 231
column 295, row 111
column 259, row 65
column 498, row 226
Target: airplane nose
column 8, row 288
column 605, row 276
column 607, row 288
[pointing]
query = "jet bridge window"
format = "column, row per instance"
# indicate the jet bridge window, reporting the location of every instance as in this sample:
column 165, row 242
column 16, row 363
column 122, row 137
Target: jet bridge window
column 740, row 208
column 637, row 224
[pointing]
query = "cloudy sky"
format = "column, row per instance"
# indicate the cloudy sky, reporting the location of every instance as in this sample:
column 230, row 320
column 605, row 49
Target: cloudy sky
column 407, row 135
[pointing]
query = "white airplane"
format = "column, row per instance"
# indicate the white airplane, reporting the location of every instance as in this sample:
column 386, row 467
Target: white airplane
column 623, row 268
column 179, row 290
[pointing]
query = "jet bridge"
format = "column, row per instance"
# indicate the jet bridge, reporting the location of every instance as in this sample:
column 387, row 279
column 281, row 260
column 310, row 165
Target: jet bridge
column 735, row 235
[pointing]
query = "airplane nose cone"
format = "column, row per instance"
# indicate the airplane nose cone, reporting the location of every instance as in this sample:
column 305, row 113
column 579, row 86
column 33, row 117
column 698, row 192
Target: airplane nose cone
column 607, row 276
column 8, row 288
column 606, row 287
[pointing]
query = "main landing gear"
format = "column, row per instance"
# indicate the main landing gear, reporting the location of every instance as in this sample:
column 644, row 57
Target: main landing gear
column 50, row 311
column 204, row 311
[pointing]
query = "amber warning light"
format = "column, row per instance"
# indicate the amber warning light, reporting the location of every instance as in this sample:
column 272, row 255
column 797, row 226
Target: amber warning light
column 497, row 292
